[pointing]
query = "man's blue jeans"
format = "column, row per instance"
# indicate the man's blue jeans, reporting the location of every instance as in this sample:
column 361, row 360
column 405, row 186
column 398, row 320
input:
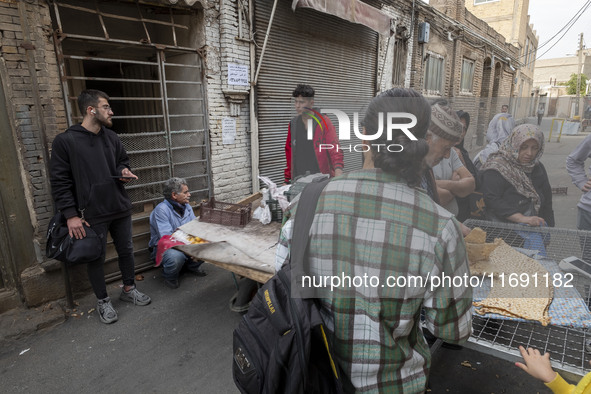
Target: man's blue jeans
column 173, row 261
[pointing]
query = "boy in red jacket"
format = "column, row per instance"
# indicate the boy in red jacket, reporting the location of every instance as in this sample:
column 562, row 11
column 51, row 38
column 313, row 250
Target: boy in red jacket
column 307, row 155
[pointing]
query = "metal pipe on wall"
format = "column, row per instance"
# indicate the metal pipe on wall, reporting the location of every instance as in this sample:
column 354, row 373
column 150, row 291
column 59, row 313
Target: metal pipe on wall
column 256, row 76
column 254, row 124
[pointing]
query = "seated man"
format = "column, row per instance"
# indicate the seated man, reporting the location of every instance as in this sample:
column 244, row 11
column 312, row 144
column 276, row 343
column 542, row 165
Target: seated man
column 444, row 132
column 170, row 214
column 452, row 178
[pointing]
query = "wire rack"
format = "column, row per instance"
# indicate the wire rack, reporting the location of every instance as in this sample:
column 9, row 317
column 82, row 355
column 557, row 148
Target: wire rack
column 502, row 338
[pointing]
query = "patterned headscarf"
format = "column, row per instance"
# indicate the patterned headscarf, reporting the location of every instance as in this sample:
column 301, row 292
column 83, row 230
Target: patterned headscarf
column 506, row 162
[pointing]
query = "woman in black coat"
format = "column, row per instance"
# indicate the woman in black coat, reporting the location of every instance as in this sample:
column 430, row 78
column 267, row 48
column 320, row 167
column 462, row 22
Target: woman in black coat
column 515, row 184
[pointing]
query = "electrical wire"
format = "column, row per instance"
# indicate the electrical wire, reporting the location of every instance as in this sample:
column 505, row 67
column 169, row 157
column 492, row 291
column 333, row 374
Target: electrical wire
column 570, row 22
column 567, row 26
column 553, row 45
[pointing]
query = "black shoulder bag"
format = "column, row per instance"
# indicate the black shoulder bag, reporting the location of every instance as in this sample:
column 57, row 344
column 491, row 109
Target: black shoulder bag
column 60, row 245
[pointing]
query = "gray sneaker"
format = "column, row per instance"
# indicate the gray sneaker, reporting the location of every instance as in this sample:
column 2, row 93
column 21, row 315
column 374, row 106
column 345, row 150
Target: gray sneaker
column 106, row 311
column 134, row 296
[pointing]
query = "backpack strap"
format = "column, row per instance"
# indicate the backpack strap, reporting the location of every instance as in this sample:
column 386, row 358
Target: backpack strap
column 304, row 218
column 301, row 229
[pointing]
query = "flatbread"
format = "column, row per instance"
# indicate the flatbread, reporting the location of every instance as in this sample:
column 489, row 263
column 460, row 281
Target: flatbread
column 528, row 300
column 479, row 252
column 476, row 236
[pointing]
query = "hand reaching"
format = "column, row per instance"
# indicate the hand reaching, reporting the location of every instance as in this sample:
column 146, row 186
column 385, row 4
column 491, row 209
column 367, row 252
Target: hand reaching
column 537, row 365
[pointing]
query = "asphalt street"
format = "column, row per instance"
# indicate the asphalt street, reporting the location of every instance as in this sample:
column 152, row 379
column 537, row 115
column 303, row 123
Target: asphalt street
column 182, row 341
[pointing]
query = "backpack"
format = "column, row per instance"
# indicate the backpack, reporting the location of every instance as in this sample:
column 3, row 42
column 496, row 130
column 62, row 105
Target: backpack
column 280, row 345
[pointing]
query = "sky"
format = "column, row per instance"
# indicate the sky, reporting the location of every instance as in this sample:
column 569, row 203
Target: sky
column 549, row 16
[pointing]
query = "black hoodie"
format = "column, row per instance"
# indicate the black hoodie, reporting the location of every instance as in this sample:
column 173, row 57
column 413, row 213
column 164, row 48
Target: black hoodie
column 100, row 157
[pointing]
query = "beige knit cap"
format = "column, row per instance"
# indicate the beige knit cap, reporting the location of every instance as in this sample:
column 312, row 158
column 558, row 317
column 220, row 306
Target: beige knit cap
column 445, row 123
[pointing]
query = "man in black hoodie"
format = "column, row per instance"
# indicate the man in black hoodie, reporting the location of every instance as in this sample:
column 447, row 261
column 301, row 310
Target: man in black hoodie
column 95, row 154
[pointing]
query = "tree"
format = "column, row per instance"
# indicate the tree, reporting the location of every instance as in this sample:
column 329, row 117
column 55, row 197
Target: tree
column 571, row 85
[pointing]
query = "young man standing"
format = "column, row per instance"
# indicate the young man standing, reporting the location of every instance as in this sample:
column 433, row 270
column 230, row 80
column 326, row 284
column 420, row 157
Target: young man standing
column 303, row 155
column 96, row 154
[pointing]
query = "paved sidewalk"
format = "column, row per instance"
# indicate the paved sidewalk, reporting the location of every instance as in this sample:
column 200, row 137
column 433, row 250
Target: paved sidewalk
column 180, row 343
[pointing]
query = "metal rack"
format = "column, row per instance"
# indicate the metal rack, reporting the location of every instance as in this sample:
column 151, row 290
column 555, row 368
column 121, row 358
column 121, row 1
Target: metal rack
column 502, row 338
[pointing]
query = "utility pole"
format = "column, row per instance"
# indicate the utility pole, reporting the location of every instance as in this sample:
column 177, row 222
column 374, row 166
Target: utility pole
column 579, row 75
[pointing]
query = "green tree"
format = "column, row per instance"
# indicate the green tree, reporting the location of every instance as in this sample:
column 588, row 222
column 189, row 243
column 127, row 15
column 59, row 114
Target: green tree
column 571, row 85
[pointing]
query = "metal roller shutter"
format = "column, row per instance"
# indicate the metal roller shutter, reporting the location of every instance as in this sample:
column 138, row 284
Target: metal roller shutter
column 336, row 57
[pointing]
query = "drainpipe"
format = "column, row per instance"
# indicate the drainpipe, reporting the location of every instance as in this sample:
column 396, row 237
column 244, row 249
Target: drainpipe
column 254, row 123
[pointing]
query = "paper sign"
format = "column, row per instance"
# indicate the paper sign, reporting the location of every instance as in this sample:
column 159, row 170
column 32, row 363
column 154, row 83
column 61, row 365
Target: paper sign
column 228, row 130
column 237, row 74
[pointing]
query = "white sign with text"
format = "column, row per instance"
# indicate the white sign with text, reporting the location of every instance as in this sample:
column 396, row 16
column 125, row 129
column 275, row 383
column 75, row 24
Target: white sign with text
column 228, row 130
column 237, row 74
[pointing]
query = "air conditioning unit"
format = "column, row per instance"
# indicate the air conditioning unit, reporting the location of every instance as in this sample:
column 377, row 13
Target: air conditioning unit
column 424, row 28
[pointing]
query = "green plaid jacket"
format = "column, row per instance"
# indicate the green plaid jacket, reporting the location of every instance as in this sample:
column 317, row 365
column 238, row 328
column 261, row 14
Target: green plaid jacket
column 369, row 224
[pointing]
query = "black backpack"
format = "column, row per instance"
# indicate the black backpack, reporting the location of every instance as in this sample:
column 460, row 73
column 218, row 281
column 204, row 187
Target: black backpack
column 281, row 346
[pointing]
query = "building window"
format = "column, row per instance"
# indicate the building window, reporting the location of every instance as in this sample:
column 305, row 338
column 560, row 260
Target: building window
column 399, row 63
column 476, row 2
column 467, row 78
column 434, row 73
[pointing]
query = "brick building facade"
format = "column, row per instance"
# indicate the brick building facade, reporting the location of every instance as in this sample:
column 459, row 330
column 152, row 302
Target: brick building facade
column 166, row 69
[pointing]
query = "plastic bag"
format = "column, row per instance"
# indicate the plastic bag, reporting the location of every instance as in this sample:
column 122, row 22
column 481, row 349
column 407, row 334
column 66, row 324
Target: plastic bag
column 262, row 213
column 276, row 193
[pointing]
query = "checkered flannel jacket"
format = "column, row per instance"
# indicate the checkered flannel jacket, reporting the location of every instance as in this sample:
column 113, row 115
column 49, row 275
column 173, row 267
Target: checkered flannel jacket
column 370, row 224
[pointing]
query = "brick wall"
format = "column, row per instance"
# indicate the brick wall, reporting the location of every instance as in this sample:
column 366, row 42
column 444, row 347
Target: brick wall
column 32, row 86
column 230, row 164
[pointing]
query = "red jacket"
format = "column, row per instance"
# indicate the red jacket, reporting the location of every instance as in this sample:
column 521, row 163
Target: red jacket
column 328, row 159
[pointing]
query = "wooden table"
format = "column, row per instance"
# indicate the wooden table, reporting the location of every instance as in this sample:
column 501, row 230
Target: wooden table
column 247, row 251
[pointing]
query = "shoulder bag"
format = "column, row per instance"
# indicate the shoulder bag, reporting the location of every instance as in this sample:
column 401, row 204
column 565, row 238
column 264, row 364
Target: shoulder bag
column 60, row 245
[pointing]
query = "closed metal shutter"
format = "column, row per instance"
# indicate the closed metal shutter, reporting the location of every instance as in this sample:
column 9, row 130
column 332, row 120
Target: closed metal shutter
column 337, row 58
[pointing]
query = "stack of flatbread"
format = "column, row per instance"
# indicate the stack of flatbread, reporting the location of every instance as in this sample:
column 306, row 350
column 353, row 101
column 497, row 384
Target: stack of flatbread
column 515, row 298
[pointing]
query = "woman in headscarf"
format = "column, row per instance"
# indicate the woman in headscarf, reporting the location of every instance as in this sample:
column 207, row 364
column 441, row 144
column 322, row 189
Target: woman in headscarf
column 498, row 131
column 514, row 182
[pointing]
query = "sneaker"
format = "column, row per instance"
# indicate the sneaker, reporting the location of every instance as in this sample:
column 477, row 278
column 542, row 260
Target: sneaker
column 134, row 296
column 172, row 283
column 106, row 311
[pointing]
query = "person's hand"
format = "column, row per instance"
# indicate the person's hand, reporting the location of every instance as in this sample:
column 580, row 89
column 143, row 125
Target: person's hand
column 455, row 176
column 338, row 172
column 465, row 229
column 587, row 186
column 537, row 365
column 76, row 227
column 534, row 221
column 127, row 173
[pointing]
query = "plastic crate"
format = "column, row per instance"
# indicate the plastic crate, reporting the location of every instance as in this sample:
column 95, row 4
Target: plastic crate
column 225, row 213
column 276, row 211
